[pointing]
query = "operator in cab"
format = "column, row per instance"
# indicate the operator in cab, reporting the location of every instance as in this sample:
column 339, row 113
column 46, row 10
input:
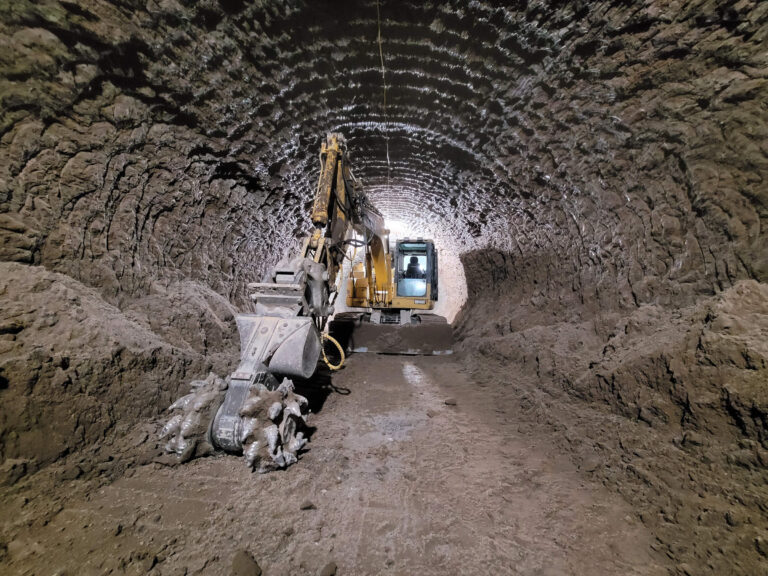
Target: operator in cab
column 414, row 270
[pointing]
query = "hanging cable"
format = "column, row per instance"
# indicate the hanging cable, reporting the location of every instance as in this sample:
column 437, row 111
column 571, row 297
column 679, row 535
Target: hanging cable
column 384, row 83
column 338, row 347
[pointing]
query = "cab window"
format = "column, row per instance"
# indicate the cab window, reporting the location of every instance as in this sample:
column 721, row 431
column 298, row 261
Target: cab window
column 414, row 266
column 413, row 276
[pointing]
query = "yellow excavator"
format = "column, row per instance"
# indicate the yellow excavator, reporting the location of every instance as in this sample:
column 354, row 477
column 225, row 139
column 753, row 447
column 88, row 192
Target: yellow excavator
column 255, row 411
column 342, row 209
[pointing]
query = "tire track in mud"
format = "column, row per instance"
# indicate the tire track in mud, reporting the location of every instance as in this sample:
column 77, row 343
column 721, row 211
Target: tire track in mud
column 459, row 488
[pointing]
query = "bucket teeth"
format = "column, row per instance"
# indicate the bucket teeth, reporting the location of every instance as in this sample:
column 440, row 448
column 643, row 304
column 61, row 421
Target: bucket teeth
column 286, row 387
column 271, row 433
column 181, row 403
column 298, row 442
column 188, row 427
column 249, row 427
column 274, row 411
column 293, row 408
column 251, row 454
column 191, row 426
column 278, row 458
column 280, row 428
column 271, row 428
column 172, row 426
column 289, row 458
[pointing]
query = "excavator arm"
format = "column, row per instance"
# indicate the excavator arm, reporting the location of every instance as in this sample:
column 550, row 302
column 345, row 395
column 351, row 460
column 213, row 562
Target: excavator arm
column 255, row 411
column 340, row 195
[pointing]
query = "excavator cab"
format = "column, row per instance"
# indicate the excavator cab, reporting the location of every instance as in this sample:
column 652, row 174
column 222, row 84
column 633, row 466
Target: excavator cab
column 401, row 322
column 415, row 274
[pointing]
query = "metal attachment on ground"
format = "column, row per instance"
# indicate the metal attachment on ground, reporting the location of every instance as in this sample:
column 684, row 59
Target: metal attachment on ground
column 187, row 430
column 268, row 426
column 338, row 347
column 273, row 426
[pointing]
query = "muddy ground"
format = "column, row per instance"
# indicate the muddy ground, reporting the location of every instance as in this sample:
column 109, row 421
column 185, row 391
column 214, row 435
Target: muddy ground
column 413, row 468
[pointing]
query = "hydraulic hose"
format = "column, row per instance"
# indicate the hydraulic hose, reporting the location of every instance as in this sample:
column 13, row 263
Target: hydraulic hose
column 340, row 349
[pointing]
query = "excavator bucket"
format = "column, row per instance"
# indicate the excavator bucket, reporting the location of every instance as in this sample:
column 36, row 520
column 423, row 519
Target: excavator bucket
column 417, row 335
column 256, row 411
column 287, row 346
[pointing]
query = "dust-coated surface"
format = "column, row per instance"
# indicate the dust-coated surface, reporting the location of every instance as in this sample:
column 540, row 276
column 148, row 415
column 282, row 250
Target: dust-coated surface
column 399, row 482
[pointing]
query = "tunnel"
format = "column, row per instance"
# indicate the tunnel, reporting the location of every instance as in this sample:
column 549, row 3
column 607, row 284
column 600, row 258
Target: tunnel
column 595, row 178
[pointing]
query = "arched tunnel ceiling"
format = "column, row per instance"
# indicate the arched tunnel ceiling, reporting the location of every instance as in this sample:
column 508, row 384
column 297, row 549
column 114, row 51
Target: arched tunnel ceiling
column 623, row 141
column 595, row 174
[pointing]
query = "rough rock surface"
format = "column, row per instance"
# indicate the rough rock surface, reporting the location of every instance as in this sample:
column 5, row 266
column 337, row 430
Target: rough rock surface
column 602, row 168
column 669, row 406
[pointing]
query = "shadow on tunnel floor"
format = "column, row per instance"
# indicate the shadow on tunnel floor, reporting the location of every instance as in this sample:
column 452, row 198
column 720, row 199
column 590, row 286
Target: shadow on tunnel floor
column 317, row 389
column 320, row 386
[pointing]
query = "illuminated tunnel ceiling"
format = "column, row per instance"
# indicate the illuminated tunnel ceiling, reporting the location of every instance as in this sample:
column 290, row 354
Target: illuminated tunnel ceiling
column 622, row 144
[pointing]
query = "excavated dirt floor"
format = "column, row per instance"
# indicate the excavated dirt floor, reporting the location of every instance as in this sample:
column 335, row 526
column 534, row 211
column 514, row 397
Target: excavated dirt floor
column 409, row 471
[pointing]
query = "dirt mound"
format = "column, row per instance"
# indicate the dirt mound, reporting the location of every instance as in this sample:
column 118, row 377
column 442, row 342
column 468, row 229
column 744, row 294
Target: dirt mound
column 671, row 412
column 74, row 368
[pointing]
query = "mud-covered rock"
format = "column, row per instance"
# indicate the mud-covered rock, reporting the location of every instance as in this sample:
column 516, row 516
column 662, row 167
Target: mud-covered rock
column 688, row 386
column 243, row 564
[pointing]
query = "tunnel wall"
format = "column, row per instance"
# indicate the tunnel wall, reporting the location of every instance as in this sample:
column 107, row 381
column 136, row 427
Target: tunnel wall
column 598, row 170
column 649, row 199
column 585, row 157
column 148, row 144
